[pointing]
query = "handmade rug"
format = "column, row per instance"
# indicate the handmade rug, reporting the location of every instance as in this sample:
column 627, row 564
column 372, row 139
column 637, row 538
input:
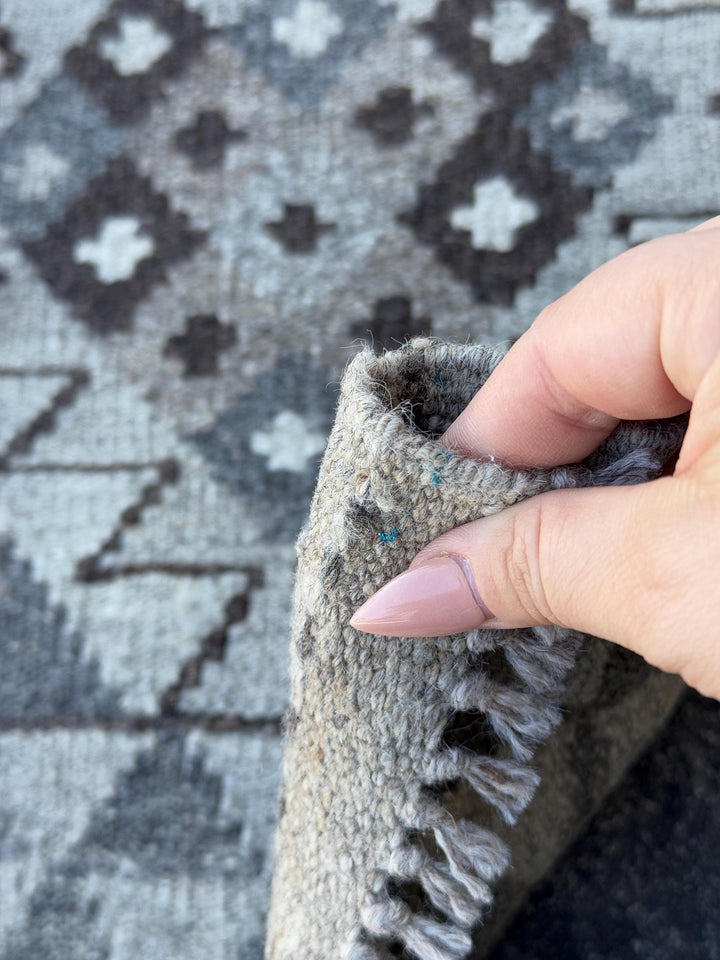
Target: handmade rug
column 206, row 207
column 428, row 784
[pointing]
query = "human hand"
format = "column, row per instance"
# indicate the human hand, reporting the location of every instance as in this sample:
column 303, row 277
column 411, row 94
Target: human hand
column 639, row 338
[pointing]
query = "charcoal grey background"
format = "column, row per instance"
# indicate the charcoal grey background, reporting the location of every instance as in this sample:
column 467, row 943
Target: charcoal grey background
column 202, row 206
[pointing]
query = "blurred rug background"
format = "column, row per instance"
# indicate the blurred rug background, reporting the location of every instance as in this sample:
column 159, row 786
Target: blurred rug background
column 204, row 206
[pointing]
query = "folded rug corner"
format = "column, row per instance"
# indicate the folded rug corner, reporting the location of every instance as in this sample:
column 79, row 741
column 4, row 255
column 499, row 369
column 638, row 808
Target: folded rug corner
column 429, row 783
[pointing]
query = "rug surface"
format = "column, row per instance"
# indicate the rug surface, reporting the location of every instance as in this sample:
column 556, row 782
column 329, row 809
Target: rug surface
column 204, row 207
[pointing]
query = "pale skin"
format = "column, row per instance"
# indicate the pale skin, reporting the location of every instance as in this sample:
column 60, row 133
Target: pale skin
column 638, row 338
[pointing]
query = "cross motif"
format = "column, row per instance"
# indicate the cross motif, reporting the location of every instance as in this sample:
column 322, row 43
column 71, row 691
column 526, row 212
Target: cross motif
column 139, row 45
column 117, row 249
column 496, row 213
column 391, row 118
column 591, row 114
column 309, row 30
column 37, row 173
column 201, row 344
column 512, row 30
column 205, row 141
column 288, row 442
column 299, row 229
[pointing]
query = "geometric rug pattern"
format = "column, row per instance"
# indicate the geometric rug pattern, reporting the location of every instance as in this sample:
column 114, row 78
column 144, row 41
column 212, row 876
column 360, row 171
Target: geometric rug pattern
column 205, row 207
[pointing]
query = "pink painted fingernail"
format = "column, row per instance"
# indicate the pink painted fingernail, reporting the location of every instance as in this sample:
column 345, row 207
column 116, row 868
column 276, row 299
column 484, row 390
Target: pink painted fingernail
column 430, row 600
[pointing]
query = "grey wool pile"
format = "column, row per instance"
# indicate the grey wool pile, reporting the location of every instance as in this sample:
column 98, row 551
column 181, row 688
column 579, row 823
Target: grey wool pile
column 429, row 783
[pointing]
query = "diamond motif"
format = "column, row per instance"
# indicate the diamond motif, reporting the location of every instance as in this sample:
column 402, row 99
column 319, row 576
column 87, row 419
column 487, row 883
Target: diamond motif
column 112, row 246
column 277, row 488
column 459, row 210
column 130, row 53
column 301, row 46
column 48, row 155
column 486, row 39
column 593, row 116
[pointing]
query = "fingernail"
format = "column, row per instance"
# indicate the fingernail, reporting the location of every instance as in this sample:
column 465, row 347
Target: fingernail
column 433, row 599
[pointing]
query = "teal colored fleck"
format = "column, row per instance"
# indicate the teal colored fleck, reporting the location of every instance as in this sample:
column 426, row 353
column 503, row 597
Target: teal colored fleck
column 436, row 478
column 387, row 536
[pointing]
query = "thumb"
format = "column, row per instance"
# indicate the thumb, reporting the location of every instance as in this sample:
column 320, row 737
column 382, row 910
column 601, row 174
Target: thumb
column 633, row 564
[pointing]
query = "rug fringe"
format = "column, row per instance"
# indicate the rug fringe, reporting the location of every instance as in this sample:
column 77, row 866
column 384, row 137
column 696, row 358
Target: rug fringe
column 455, row 861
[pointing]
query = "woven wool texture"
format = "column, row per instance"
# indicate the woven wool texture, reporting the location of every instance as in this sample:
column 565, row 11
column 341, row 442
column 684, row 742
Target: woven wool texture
column 372, row 855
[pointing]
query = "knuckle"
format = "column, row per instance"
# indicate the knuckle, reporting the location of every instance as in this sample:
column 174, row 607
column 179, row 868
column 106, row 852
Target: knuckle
column 560, row 399
column 522, row 560
column 548, row 314
column 677, row 609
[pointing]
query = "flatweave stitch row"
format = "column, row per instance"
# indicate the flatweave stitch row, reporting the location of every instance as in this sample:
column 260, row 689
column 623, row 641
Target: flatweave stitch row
column 387, row 739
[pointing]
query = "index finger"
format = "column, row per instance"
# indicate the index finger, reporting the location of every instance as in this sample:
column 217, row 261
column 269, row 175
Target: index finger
column 630, row 341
